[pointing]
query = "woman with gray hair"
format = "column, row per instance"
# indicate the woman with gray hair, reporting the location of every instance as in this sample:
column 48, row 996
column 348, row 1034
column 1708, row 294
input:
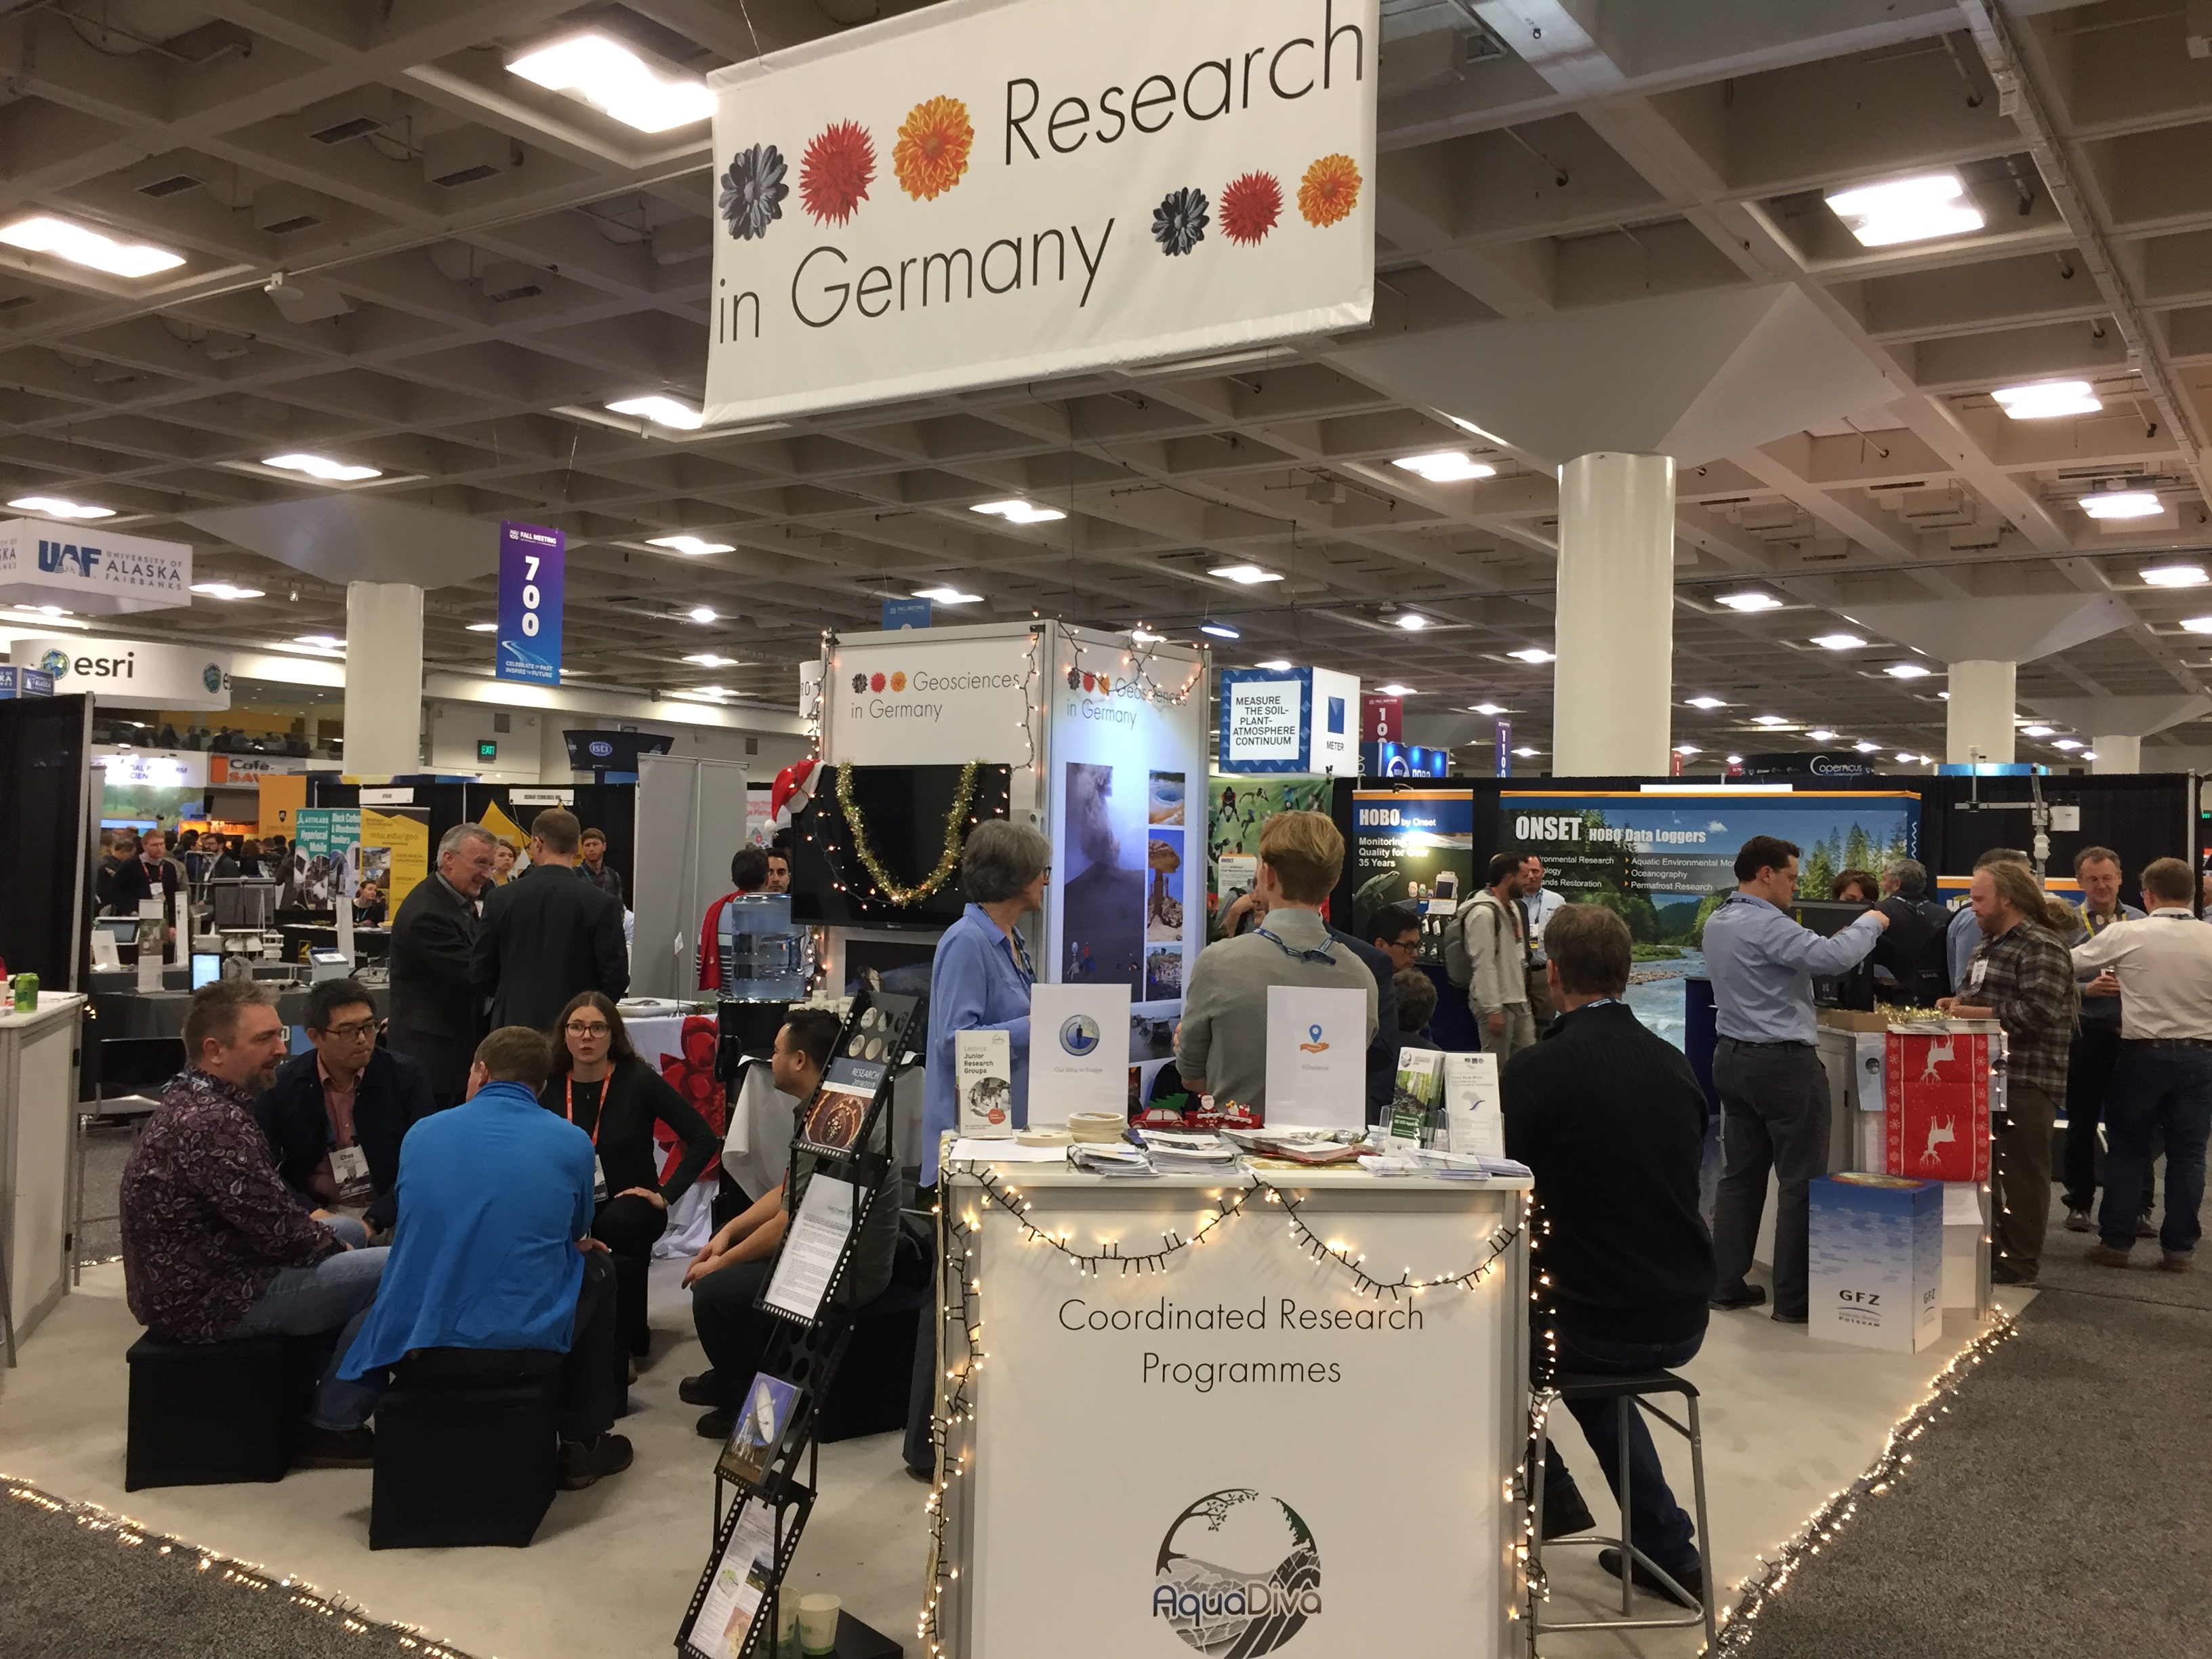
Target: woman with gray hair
column 980, row 977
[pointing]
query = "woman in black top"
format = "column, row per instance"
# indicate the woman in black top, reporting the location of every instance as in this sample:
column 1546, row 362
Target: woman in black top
column 600, row 1085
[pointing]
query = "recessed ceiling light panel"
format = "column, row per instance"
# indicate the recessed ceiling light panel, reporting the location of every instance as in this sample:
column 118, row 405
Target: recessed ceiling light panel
column 619, row 80
column 80, row 245
column 1914, row 209
column 2164, row 575
column 1446, row 466
column 691, row 544
column 1018, row 512
column 56, row 507
column 661, row 411
column 1752, row 600
column 1245, row 575
column 2122, row 504
column 2044, row 400
column 321, row 466
column 1839, row 641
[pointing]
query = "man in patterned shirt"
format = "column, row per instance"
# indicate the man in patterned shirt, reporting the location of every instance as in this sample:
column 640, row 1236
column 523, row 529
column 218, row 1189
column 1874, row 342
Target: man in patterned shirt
column 2022, row 978
column 213, row 1244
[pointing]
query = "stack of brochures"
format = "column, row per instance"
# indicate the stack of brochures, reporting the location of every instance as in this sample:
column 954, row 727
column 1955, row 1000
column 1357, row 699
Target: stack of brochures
column 1174, row 1153
column 1108, row 1159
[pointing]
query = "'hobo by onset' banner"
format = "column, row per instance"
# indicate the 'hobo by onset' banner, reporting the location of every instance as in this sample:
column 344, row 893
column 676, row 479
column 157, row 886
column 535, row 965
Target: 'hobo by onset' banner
column 531, row 562
column 986, row 191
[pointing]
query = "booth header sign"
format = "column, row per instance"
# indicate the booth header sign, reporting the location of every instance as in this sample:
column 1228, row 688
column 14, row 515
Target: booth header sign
column 989, row 192
column 1298, row 720
column 134, row 673
column 95, row 573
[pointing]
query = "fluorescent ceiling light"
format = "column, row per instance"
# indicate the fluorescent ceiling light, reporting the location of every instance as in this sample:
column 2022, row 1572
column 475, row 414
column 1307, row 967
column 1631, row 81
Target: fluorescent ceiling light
column 1276, row 665
column 610, row 77
column 2066, row 743
column 52, row 611
column 320, row 642
column 1906, row 671
column 1687, row 748
column 1707, row 702
column 1735, row 759
column 55, row 506
column 702, row 613
column 1770, row 719
column 1905, row 759
column 81, row 245
column 1220, row 631
column 2164, row 575
column 1394, row 689
column 709, row 659
column 1487, row 708
column 1750, row 601
column 1906, row 209
column 1821, row 735
column 2197, row 625
column 2089, row 754
column 661, row 411
column 1837, row 642
column 1864, row 747
column 2043, row 399
column 225, row 591
column 2037, row 731
column 1411, row 621
column 691, row 544
column 1018, row 512
column 483, row 628
column 1533, row 655
column 2122, row 504
column 1527, row 754
column 948, row 596
column 1447, row 466
column 321, row 466
column 706, row 693
column 1245, row 575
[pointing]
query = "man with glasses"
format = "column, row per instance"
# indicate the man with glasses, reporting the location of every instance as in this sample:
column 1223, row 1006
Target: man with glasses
column 336, row 1115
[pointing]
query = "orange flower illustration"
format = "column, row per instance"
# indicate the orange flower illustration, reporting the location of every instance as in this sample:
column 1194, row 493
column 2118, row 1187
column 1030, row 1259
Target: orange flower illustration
column 933, row 142
column 1329, row 191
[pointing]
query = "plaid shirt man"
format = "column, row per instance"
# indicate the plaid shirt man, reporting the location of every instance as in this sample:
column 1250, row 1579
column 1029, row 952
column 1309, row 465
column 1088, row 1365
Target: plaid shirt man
column 2027, row 977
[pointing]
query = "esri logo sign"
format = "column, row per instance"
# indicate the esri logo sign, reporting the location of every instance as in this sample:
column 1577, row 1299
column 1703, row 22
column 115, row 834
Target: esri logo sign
column 1231, row 1611
column 56, row 663
column 1078, row 1036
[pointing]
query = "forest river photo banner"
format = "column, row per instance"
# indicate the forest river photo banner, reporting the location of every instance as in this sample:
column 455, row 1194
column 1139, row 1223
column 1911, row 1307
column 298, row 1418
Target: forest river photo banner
column 988, row 191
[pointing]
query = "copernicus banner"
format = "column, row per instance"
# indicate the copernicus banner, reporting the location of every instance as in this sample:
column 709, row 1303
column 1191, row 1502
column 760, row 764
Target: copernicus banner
column 988, row 191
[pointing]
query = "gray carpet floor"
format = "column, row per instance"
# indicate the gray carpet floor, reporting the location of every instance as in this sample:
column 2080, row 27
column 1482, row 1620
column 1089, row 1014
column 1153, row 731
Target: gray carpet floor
column 2057, row 1506
column 78, row 1584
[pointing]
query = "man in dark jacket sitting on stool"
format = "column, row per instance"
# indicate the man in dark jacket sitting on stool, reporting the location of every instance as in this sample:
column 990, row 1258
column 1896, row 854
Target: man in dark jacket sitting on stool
column 1610, row 1117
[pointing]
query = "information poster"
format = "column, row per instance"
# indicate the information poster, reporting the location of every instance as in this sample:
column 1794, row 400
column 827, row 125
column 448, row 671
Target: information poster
column 1237, row 809
column 532, row 565
column 325, row 855
column 1665, row 862
column 395, row 851
column 1403, row 842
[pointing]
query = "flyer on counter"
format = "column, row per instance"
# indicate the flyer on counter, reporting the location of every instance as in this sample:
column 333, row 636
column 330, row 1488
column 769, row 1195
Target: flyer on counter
column 1474, row 1113
column 811, row 1247
column 984, row 1072
column 1079, row 1050
column 740, row 1581
column 1317, row 1057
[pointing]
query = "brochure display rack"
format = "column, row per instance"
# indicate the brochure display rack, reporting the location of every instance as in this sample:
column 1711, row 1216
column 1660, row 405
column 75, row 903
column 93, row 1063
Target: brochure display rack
column 844, row 1130
column 1209, row 1402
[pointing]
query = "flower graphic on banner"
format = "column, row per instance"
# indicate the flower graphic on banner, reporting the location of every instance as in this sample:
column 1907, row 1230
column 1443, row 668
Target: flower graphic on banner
column 932, row 152
column 753, row 191
column 1329, row 191
column 835, row 173
column 1179, row 221
column 691, row 1075
column 1250, row 207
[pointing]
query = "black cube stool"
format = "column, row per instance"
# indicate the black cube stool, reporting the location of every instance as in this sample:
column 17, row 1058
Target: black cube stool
column 869, row 1394
column 1629, row 1394
column 208, row 1414
column 467, row 1448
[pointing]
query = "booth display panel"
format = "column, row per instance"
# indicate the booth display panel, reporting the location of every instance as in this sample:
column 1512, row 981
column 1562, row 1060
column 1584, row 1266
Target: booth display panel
column 1203, row 1433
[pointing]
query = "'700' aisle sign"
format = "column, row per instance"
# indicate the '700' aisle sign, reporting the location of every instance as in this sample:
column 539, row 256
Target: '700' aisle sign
column 531, row 562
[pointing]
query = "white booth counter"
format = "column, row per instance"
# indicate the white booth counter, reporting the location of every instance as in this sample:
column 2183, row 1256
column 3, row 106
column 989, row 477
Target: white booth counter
column 38, row 1102
column 1197, row 1409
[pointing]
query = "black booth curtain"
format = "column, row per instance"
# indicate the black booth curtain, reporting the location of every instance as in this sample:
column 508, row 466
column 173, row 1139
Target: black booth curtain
column 45, row 748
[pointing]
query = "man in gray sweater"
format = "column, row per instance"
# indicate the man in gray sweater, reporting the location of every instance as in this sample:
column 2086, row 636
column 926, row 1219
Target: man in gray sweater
column 1221, row 1047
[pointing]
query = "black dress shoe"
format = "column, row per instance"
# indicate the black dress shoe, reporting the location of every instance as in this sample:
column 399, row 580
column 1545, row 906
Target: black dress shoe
column 1781, row 1318
column 698, row 1390
column 583, row 1461
column 717, row 1424
column 1691, row 1579
column 334, row 1448
column 1747, row 1296
column 1564, row 1512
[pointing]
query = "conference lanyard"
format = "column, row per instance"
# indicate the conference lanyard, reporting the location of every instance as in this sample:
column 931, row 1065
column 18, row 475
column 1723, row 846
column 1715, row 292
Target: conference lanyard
column 568, row 1104
column 1291, row 951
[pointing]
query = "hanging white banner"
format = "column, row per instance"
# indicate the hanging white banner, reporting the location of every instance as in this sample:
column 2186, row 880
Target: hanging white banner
column 91, row 571
column 988, row 191
column 936, row 698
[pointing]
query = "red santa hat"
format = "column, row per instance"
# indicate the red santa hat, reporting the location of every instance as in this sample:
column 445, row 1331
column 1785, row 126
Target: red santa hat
column 791, row 793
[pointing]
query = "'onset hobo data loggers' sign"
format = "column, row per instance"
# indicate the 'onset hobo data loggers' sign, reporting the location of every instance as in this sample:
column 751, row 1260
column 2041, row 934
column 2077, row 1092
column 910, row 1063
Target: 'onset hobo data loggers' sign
column 988, row 191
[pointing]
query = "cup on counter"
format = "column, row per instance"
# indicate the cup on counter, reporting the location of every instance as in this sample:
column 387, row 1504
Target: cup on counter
column 786, row 1627
column 817, row 1624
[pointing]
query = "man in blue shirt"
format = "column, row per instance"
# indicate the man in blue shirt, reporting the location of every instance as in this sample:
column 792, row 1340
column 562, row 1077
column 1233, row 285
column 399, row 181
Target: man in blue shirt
column 493, row 1262
column 1773, row 1089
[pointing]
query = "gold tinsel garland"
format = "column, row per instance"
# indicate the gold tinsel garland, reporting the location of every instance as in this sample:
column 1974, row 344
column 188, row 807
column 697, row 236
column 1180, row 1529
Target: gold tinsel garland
column 947, row 862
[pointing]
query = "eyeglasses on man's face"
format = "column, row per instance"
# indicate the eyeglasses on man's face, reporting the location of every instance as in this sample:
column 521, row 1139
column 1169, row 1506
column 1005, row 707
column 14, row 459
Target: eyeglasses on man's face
column 352, row 1031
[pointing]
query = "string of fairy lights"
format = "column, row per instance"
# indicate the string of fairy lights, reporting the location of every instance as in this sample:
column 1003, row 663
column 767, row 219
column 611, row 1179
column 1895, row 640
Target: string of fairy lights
column 963, row 1288
column 1136, row 661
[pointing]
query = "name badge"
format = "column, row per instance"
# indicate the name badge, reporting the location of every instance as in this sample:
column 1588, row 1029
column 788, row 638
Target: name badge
column 598, row 1178
column 349, row 1164
column 1974, row 974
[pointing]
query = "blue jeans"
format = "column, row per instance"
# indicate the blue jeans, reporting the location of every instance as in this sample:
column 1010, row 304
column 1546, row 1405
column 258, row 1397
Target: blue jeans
column 333, row 1295
column 1657, row 1525
column 2156, row 1091
column 349, row 1231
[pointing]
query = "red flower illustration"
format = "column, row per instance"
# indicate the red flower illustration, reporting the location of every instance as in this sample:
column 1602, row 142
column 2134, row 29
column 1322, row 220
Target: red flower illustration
column 1250, row 207
column 1330, row 190
column 835, row 173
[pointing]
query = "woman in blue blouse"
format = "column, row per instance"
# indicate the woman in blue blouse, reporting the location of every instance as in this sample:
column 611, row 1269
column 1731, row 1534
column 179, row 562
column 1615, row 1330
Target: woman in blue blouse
column 981, row 978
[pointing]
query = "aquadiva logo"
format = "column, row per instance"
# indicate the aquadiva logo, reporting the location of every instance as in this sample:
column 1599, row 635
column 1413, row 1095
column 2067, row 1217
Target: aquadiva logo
column 1212, row 1583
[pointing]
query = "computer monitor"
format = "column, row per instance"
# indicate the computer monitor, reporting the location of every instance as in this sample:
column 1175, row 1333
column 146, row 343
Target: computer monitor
column 242, row 902
column 207, row 968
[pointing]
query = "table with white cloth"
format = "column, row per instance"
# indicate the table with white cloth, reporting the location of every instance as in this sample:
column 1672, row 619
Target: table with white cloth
column 1191, row 1406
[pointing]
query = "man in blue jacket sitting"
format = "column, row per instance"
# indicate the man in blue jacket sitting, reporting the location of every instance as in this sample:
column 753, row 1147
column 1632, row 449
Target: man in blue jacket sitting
column 491, row 1271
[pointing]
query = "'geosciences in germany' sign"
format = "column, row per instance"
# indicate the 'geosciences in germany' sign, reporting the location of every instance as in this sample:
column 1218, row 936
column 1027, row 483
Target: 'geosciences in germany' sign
column 986, row 192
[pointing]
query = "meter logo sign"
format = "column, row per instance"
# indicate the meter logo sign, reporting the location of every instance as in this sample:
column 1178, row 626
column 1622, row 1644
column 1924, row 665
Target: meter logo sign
column 532, row 565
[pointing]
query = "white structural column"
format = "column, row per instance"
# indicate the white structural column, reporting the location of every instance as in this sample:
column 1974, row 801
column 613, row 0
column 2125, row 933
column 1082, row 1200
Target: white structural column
column 383, row 679
column 1980, row 724
column 1612, row 686
column 2116, row 755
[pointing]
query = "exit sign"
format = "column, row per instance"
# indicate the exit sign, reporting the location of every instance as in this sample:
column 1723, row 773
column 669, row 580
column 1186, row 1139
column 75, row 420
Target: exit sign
column 487, row 748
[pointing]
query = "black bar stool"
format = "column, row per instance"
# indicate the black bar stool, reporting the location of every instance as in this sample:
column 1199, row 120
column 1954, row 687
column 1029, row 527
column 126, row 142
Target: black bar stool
column 1629, row 1394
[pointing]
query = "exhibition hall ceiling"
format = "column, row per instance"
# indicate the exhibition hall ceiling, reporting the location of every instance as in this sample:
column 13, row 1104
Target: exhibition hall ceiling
column 396, row 254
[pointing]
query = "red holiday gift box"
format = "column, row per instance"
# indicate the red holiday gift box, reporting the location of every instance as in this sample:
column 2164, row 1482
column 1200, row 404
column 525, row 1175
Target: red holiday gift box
column 1937, row 1099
